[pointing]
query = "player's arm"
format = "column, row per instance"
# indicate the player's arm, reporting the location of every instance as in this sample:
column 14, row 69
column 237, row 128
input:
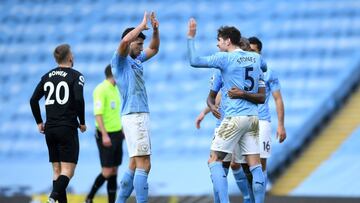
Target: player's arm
column 104, row 135
column 35, row 107
column 213, row 61
column 281, row 132
column 78, row 90
column 201, row 116
column 123, row 49
column 257, row 98
column 211, row 102
column 153, row 48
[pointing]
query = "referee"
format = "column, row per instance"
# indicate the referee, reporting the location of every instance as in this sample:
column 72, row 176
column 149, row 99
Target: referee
column 109, row 135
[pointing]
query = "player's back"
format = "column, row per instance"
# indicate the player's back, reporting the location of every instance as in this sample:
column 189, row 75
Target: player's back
column 242, row 70
column 59, row 86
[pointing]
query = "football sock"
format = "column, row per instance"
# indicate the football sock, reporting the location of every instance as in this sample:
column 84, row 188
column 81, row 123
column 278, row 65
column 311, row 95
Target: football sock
column 99, row 181
column 111, row 188
column 126, row 186
column 59, row 186
column 242, row 184
column 141, row 185
column 258, row 184
column 219, row 180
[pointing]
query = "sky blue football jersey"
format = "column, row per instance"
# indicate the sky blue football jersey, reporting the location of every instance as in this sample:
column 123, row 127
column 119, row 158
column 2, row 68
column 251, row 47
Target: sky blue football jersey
column 129, row 76
column 238, row 69
column 272, row 84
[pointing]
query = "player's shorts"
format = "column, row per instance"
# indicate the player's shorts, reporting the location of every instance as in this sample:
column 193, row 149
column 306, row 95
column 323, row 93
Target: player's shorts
column 237, row 130
column 110, row 156
column 264, row 144
column 136, row 128
column 265, row 138
column 63, row 144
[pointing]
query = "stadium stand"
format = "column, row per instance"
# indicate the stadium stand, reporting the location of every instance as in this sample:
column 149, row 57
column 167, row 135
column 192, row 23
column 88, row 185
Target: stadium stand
column 313, row 47
column 340, row 166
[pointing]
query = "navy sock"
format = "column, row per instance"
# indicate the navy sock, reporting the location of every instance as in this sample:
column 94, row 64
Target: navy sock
column 59, row 187
column 99, row 181
column 111, row 188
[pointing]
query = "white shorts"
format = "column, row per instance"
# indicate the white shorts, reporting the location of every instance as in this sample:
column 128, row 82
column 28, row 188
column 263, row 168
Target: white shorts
column 265, row 138
column 136, row 129
column 238, row 130
column 264, row 144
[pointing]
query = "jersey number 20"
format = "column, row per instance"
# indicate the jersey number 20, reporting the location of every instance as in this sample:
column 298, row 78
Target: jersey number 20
column 50, row 86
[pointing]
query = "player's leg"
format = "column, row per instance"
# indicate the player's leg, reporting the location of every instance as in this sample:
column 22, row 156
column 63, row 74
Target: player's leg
column 136, row 130
column 265, row 144
column 54, row 158
column 218, row 176
column 240, row 176
column 68, row 147
column 56, row 173
column 116, row 160
column 60, row 185
column 126, row 183
column 100, row 179
column 249, row 144
column 111, row 176
column 140, row 178
column 223, row 143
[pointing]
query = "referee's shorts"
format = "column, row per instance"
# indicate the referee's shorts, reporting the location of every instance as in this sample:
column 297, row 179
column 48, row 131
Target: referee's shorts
column 110, row 156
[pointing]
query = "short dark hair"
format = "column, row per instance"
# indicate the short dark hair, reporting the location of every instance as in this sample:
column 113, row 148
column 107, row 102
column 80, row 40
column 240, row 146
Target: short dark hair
column 108, row 71
column 127, row 30
column 61, row 53
column 245, row 44
column 232, row 33
column 255, row 40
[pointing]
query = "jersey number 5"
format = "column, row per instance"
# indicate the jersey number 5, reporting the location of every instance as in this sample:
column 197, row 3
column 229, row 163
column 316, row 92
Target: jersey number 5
column 248, row 77
column 50, row 86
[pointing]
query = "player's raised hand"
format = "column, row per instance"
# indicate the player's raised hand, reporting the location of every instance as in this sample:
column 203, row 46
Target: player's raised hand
column 144, row 22
column 154, row 21
column 192, row 28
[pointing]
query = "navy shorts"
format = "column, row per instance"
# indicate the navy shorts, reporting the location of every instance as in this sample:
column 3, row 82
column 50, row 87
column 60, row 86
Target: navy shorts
column 110, row 156
column 63, row 144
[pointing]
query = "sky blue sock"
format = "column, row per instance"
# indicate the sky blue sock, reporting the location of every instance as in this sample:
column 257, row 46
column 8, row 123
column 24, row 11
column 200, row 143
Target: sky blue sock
column 126, row 186
column 141, row 185
column 243, row 184
column 216, row 195
column 226, row 170
column 219, row 181
column 266, row 178
column 258, row 183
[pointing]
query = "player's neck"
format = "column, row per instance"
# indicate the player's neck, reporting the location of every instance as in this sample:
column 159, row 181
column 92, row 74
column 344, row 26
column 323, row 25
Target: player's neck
column 233, row 48
column 111, row 80
column 65, row 65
